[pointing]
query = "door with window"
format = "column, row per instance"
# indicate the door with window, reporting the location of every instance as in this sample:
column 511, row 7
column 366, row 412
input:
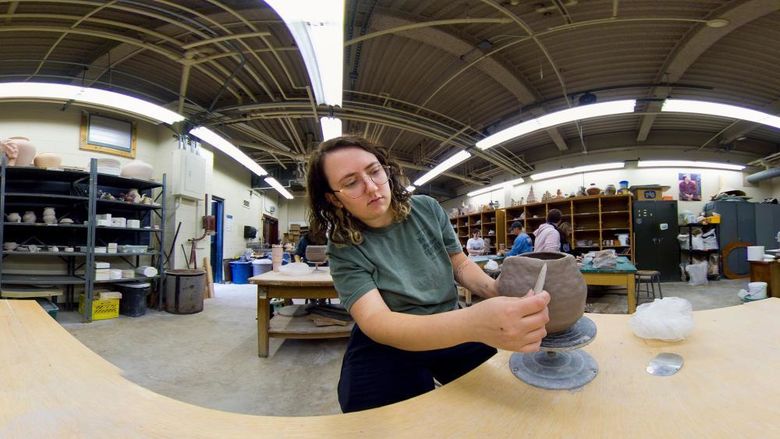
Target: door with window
column 270, row 230
column 217, row 209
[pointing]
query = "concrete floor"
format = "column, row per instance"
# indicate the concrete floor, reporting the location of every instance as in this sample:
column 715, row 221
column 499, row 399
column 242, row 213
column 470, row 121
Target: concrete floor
column 210, row 359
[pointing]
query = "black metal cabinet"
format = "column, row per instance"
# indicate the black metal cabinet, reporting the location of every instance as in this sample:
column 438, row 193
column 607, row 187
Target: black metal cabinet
column 737, row 224
column 655, row 238
column 767, row 225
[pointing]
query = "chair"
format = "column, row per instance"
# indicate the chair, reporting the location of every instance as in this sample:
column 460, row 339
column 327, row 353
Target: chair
column 648, row 278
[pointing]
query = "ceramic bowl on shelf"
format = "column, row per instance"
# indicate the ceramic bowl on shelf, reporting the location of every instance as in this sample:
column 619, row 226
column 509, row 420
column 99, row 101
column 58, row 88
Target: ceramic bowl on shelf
column 10, row 246
column 66, row 221
column 47, row 160
column 137, row 169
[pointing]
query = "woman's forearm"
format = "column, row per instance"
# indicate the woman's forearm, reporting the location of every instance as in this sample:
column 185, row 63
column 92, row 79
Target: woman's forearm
column 419, row 333
column 471, row 276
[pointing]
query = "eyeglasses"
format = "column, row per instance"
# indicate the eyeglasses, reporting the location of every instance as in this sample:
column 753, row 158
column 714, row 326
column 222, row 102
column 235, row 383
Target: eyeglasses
column 355, row 187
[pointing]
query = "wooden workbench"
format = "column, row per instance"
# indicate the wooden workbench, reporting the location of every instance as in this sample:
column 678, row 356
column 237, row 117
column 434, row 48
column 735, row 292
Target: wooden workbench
column 275, row 285
column 621, row 275
column 53, row 386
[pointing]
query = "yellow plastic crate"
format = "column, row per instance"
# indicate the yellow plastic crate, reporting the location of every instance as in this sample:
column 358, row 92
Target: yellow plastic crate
column 101, row 309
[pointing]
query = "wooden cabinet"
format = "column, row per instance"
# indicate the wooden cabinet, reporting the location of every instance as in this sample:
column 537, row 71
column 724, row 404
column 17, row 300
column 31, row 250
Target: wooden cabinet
column 489, row 222
column 595, row 220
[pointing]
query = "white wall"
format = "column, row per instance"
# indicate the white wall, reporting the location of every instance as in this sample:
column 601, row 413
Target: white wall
column 711, row 180
column 294, row 211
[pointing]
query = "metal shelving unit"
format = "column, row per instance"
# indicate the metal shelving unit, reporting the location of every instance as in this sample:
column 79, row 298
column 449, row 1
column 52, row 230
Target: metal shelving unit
column 76, row 193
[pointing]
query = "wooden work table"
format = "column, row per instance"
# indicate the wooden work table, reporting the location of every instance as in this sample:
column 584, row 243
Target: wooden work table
column 275, row 285
column 53, row 386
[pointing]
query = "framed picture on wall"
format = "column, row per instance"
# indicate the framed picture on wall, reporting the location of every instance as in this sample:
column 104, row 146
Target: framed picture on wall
column 108, row 135
column 690, row 186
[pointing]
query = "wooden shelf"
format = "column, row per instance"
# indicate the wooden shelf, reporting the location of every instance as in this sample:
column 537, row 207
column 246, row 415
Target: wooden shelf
column 303, row 327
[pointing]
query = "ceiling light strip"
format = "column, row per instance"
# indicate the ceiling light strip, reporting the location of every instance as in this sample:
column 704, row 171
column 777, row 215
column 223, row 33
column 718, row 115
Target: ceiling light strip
column 331, row 127
column 688, row 164
column 558, row 118
column 278, row 186
column 95, row 96
column 504, row 185
column 318, row 29
column 577, row 170
column 720, row 110
column 219, row 142
column 441, row 167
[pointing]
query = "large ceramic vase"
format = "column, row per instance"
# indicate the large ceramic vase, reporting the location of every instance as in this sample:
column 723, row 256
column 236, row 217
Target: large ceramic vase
column 564, row 282
column 20, row 151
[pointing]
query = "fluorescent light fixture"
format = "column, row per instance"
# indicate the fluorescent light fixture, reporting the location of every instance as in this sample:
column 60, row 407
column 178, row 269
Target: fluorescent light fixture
column 276, row 185
column 504, row 185
column 87, row 95
column 558, row 118
column 331, row 127
column 577, row 170
column 410, row 188
column 219, row 142
column 441, row 167
column 720, row 110
column 687, row 164
column 318, row 29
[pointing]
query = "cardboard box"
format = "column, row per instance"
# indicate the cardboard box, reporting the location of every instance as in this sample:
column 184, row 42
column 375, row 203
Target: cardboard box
column 648, row 192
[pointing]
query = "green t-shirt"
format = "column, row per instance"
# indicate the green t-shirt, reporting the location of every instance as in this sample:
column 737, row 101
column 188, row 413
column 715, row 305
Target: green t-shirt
column 408, row 262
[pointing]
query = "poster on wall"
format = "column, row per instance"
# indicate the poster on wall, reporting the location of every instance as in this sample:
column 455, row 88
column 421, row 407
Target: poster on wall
column 690, row 186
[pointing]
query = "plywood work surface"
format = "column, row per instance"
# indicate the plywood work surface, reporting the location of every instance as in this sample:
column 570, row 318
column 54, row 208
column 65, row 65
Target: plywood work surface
column 53, row 386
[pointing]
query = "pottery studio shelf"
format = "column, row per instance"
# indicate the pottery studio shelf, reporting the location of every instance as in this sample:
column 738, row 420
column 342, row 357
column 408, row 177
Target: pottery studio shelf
column 46, row 226
column 29, row 253
column 75, row 194
column 128, row 229
column 598, row 214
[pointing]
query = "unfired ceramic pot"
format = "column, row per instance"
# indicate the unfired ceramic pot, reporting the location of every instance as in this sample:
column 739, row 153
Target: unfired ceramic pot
column 29, row 217
column 47, row 160
column 564, row 282
column 20, row 151
column 137, row 169
column 14, row 217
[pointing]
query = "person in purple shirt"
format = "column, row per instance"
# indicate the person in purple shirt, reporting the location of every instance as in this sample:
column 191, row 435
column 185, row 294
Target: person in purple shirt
column 522, row 242
column 688, row 189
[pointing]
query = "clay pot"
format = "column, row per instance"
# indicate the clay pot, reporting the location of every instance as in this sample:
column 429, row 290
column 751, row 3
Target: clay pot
column 47, row 160
column 610, row 189
column 20, row 151
column 14, row 217
column 593, row 189
column 564, row 282
column 10, row 246
column 49, row 215
column 29, row 217
column 137, row 169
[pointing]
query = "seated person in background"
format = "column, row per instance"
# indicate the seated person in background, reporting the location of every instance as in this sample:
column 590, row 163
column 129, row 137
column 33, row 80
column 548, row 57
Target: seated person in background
column 300, row 250
column 475, row 246
column 522, row 242
column 564, row 229
column 548, row 239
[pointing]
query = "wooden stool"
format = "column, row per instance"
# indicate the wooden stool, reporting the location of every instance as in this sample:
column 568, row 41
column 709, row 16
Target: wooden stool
column 649, row 278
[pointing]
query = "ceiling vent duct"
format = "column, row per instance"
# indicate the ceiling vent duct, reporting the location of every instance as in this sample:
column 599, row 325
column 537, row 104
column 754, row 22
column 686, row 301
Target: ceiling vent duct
column 763, row 175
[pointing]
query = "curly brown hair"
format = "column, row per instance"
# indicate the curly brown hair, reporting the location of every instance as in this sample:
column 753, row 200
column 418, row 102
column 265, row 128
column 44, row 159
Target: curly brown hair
column 325, row 219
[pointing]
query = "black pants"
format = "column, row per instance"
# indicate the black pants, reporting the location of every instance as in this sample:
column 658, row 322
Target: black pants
column 374, row 375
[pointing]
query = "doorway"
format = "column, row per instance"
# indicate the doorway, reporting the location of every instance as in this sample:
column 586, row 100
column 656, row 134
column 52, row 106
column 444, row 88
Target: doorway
column 217, row 209
column 270, row 230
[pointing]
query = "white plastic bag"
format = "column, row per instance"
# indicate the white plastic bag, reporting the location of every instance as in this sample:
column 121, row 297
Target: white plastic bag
column 683, row 239
column 697, row 242
column 697, row 273
column 710, row 240
column 491, row 265
column 669, row 319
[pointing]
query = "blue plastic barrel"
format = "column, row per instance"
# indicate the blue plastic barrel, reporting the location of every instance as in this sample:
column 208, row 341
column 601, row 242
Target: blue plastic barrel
column 241, row 271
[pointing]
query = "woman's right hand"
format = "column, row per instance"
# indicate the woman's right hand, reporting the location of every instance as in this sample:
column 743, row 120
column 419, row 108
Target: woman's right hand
column 511, row 323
